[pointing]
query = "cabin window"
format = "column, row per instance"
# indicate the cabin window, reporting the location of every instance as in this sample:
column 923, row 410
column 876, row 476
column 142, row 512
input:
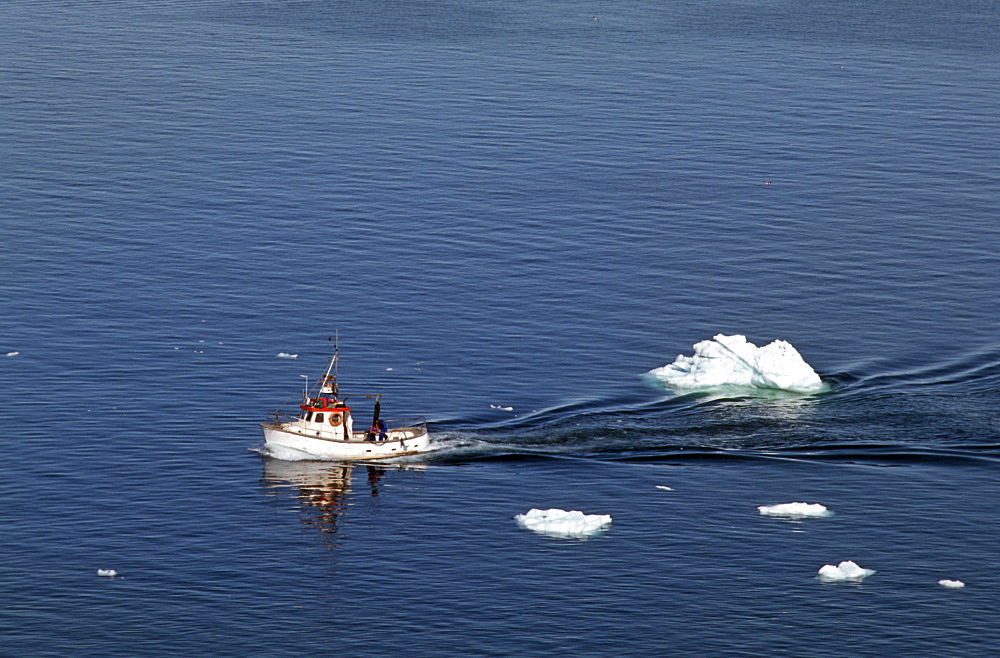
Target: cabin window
column 308, row 416
column 319, row 417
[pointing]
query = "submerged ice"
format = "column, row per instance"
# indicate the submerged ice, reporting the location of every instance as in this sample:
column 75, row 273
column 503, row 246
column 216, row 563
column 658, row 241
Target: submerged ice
column 560, row 523
column 732, row 361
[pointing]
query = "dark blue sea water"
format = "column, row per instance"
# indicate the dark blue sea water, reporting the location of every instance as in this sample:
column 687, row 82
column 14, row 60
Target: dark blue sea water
column 498, row 204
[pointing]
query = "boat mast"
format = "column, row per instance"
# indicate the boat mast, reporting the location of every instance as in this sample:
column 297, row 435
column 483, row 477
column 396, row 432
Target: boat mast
column 336, row 358
column 326, row 381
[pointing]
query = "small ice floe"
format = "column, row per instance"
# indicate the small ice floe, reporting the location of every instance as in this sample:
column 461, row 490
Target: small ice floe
column 12, row 353
column 560, row 523
column 388, row 369
column 795, row 510
column 286, row 355
column 660, row 486
column 845, row 571
column 951, row 584
column 496, row 406
column 109, row 573
column 733, row 361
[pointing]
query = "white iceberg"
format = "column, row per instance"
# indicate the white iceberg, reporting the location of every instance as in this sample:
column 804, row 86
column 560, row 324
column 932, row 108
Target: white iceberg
column 845, row 571
column 951, row 584
column 286, row 355
column 732, row 361
column 501, row 408
column 560, row 523
column 795, row 510
column 12, row 353
column 109, row 573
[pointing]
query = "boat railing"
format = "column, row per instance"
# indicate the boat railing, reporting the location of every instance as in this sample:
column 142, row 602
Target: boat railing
column 276, row 418
column 405, row 423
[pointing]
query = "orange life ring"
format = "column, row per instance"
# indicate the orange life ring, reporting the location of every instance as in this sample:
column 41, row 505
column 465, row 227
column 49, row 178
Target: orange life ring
column 336, row 420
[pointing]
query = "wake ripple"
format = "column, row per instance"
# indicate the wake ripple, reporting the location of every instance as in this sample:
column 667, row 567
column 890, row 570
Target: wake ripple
column 974, row 372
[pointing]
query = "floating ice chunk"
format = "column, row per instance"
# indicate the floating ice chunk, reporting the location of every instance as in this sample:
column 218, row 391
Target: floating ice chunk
column 110, row 573
column 951, row 584
column 732, row 361
column 286, row 355
column 560, row 523
column 496, row 406
column 795, row 510
column 660, row 486
column 12, row 353
column 844, row 571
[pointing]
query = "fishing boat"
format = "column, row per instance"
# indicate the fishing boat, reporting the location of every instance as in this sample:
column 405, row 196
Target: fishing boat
column 324, row 428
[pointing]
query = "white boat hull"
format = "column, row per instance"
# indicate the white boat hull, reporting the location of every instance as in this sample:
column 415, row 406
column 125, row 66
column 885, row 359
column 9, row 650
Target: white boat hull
column 327, row 445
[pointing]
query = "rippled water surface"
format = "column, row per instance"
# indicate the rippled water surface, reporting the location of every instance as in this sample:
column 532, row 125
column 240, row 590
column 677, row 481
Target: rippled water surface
column 510, row 212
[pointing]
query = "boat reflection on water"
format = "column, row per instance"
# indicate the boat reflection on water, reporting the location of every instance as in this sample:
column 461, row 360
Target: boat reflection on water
column 326, row 489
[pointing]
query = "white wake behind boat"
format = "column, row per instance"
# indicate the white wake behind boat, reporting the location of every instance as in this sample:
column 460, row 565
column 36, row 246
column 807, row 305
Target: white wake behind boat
column 325, row 427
